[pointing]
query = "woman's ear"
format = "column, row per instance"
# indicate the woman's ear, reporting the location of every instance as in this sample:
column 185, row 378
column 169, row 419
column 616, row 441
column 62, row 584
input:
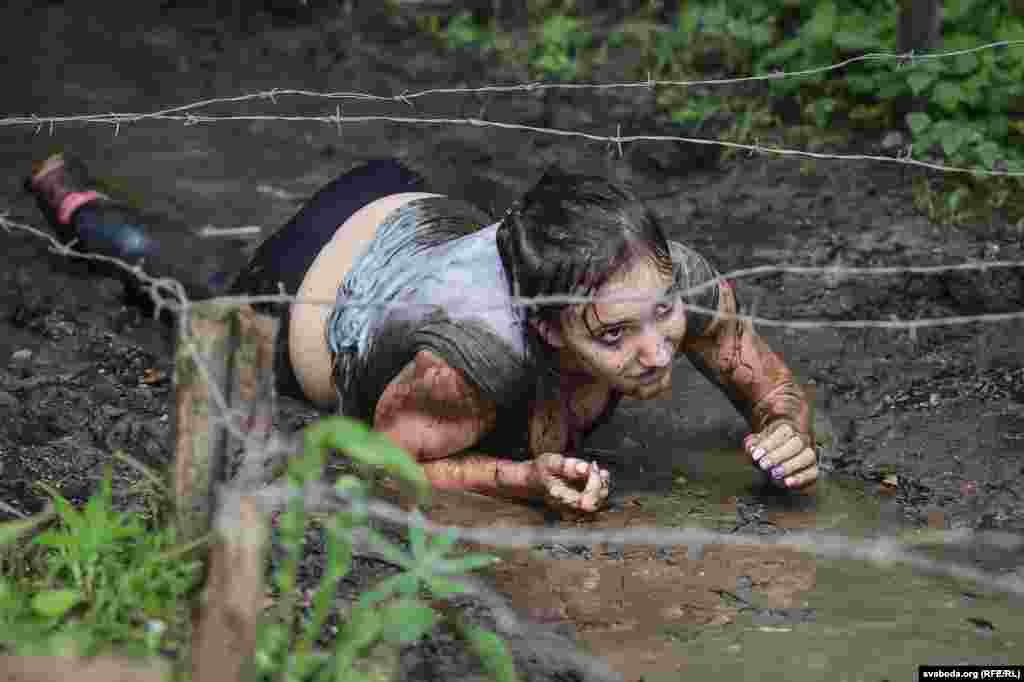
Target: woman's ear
column 549, row 331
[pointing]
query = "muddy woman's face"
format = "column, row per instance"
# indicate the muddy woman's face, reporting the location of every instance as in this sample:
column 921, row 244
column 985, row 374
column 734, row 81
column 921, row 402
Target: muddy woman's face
column 628, row 344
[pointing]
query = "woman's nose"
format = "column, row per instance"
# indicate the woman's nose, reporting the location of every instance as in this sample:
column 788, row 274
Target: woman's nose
column 655, row 351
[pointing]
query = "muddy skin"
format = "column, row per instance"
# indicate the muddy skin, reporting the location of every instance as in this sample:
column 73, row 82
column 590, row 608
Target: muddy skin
column 915, row 431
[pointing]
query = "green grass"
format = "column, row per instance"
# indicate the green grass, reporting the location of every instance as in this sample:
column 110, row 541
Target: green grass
column 91, row 580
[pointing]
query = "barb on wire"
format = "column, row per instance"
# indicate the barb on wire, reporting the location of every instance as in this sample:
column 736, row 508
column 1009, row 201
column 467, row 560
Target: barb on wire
column 178, row 301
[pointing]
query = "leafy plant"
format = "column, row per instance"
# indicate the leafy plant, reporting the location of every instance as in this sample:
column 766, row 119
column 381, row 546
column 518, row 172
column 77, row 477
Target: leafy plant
column 394, row 612
column 464, row 31
column 108, row 580
column 965, row 108
column 556, row 44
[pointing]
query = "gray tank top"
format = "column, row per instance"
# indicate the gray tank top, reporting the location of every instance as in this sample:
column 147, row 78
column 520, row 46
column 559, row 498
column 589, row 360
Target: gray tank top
column 449, row 295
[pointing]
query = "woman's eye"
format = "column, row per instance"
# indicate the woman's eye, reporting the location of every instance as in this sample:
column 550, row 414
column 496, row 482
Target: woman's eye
column 664, row 309
column 611, row 336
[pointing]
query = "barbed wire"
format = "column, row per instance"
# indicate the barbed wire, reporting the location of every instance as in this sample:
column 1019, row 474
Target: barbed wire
column 184, row 113
column 882, row 551
column 903, row 60
column 337, row 119
column 169, row 294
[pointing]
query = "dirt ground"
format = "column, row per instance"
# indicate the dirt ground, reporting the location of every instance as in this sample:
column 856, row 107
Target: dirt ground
column 930, row 424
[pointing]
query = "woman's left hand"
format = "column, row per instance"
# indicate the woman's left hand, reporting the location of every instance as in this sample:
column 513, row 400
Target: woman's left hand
column 785, row 454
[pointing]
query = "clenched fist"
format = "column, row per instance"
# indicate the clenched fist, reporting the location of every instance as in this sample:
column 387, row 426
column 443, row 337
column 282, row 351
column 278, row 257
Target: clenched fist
column 785, row 454
column 567, row 483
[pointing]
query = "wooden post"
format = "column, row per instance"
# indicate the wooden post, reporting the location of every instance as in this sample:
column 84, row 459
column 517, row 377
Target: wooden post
column 224, row 625
column 918, row 30
column 224, row 400
column 224, row 375
column 201, row 372
column 98, row 669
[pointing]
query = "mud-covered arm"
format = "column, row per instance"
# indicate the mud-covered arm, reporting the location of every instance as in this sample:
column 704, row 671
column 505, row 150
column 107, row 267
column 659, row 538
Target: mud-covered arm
column 731, row 354
column 431, row 411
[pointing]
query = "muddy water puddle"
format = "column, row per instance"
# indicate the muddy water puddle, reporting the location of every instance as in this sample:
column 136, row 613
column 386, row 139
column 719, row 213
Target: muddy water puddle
column 763, row 612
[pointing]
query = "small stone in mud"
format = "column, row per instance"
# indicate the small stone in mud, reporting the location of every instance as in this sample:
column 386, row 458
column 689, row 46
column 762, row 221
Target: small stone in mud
column 23, row 355
column 982, row 625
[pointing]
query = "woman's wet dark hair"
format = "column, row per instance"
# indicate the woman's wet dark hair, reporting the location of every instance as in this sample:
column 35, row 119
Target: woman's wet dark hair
column 571, row 233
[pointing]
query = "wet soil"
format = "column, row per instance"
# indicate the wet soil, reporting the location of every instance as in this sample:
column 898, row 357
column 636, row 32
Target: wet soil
column 915, row 430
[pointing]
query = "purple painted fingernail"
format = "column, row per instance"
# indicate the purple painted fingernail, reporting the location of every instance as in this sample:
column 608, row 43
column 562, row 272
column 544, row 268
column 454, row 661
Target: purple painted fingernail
column 777, row 472
column 758, row 453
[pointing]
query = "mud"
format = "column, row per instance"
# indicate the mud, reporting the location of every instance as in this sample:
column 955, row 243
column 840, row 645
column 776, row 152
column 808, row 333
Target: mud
column 916, row 430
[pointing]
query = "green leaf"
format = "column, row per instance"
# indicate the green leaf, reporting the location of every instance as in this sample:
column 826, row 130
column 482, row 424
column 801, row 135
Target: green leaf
column 823, row 23
column 974, row 88
column 998, row 127
column 406, row 620
column 762, row 34
column 822, row 110
column 55, row 603
column 964, row 64
column 442, row 542
column 442, row 587
column 918, row 121
column 387, row 588
column 953, row 10
column 855, row 41
column 464, row 564
column 417, row 536
column 363, row 628
column 56, row 539
column 956, row 198
column 919, row 81
column 861, row 84
column 782, row 54
column 947, row 95
column 893, row 88
column 989, row 152
column 492, row 652
column 954, row 140
column 357, row 441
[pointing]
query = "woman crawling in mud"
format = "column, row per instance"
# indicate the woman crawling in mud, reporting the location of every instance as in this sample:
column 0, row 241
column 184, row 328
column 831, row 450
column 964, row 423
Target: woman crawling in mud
column 454, row 373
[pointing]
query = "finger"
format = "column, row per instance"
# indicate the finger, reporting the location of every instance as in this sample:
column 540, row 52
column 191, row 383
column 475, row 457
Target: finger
column 802, row 479
column 561, row 494
column 591, row 497
column 781, row 454
column 574, row 469
column 803, row 460
column 777, row 437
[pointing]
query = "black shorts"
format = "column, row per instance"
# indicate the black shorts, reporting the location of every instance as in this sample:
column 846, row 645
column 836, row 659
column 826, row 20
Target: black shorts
column 285, row 256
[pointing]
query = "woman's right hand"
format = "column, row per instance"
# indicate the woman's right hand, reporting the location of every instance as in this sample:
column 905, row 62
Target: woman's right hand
column 568, row 483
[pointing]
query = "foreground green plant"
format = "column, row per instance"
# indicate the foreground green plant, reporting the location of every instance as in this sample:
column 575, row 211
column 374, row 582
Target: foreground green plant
column 103, row 580
column 396, row 611
column 99, row 579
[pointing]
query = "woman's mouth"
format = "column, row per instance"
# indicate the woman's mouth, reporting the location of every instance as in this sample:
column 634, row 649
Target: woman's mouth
column 649, row 376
